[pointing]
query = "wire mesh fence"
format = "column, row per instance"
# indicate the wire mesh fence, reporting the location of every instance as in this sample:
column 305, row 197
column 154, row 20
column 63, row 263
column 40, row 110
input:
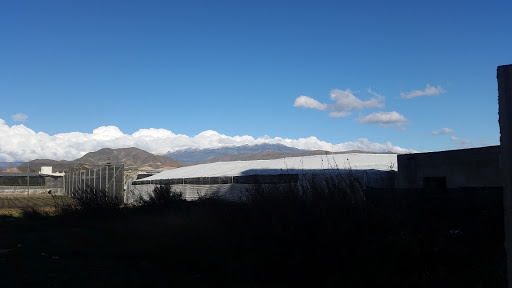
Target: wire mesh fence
column 22, row 178
column 109, row 178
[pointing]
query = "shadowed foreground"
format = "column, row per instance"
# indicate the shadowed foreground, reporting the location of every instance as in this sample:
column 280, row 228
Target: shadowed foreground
column 330, row 234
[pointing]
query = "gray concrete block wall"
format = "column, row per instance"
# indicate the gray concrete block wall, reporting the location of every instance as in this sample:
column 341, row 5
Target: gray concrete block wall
column 504, row 76
column 476, row 168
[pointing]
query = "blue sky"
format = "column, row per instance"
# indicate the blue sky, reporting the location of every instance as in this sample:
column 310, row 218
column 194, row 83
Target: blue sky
column 239, row 68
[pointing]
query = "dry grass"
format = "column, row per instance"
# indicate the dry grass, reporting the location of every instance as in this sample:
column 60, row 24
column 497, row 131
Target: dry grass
column 14, row 204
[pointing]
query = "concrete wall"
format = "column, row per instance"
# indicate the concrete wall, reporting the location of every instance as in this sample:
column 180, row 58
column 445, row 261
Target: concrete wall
column 476, row 167
column 504, row 77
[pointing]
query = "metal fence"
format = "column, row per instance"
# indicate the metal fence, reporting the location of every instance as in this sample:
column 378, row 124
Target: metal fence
column 22, row 178
column 107, row 177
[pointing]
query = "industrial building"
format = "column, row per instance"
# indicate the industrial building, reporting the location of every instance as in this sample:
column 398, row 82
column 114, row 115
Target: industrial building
column 434, row 171
column 464, row 168
column 474, row 168
column 232, row 179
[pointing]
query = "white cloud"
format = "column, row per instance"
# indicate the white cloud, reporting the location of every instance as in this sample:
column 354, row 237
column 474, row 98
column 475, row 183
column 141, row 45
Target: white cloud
column 489, row 141
column 443, row 131
column 344, row 103
column 384, row 119
column 308, row 102
column 20, row 117
column 429, row 91
column 364, row 144
column 462, row 142
column 375, row 93
column 19, row 143
column 339, row 114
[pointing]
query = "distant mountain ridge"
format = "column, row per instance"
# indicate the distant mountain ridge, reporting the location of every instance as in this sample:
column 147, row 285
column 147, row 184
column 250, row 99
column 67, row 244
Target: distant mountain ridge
column 270, row 155
column 131, row 158
column 138, row 159
column 194, row 155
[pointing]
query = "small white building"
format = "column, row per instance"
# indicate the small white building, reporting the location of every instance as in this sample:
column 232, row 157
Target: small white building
column 48, row 170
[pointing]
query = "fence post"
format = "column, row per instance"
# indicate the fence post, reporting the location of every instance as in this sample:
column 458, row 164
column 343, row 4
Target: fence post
column 106, row 178
column 28, row 178
column 72, row 187
column 114, row 180
column 100, row 179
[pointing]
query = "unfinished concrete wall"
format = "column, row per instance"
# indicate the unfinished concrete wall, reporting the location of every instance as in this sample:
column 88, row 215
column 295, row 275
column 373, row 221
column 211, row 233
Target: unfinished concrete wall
column 504, row 75
column 476, row 168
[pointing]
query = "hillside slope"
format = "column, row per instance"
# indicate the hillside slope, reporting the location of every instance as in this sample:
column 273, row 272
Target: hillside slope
column 204, row 155
column 270, row 155
column 130, row 157
column 133, row 158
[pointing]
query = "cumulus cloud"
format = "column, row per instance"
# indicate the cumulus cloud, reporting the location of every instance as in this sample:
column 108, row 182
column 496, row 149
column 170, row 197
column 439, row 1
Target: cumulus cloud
column 443, row 131
column 308, row 102
column 429, row 91
column 344, row 103
column 377, row 95
column 462, row 142
column 339, row 114
column 489, row 141
column 20, row 143
column 20, row 117
column 384, row 119
column 364, row 144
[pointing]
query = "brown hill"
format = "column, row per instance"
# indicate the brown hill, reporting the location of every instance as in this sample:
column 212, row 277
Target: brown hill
column 57, row 166
column 132, row 158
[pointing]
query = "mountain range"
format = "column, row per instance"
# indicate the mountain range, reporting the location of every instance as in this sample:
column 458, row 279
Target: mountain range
column 193, row 155
column 270, row 155
column 137, row 159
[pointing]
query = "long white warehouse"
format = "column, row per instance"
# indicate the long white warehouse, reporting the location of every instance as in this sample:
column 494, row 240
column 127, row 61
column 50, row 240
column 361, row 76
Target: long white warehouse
column 230, row 178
